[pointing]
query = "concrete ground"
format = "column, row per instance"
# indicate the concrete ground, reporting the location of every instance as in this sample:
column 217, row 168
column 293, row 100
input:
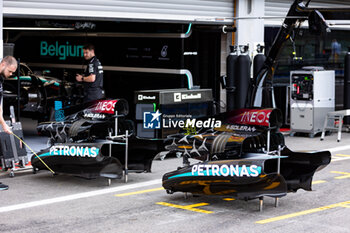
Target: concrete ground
column 45, row 203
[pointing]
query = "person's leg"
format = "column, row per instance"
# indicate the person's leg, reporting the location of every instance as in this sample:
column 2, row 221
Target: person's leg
column 3, row 186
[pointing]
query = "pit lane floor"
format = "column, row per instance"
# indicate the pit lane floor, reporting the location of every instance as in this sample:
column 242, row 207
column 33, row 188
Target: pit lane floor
column 45, row 203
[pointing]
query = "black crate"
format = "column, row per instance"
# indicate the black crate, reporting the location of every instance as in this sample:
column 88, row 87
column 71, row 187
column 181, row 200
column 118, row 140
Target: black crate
column 12, row 150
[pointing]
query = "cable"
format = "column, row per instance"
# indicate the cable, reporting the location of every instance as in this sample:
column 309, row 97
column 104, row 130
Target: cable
column 34, row 153
column 307, row 4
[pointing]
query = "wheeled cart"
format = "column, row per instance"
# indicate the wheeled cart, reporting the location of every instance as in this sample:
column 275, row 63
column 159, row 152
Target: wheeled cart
column 12, row 150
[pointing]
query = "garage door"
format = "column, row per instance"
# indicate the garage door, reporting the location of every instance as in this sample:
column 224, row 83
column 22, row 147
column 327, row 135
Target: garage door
column 139, row 10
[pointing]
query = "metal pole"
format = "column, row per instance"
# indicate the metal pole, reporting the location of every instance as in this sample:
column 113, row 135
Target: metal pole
column 126, row 155
column 261, row 203
column 18, row 89
column 268, row 140
column 279, row 160
column 278, row 169
column 116, row 124
column 110, row 144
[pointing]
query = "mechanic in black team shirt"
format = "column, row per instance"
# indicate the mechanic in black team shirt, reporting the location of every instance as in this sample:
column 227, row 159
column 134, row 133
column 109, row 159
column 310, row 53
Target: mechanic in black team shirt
column 8, row 66
column 93, row 76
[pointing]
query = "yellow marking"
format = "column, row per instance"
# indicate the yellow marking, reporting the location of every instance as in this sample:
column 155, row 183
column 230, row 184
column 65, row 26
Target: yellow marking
column 347, row 175
column 342, row 155
column 185, row 147
column 235, row 139
column 345, row 206
column 197, row 205
column 310, row 211
column 206, row 186
column 138, row 192
column 223, row 192
column 228, row 199
column 318, row 181
column 272, row 186
column 188, row 207
column 203, row 182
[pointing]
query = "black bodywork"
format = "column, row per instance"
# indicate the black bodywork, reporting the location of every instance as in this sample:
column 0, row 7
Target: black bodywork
column 79, row 145
column 243, row 158
column 247, row 158
column 38, row 93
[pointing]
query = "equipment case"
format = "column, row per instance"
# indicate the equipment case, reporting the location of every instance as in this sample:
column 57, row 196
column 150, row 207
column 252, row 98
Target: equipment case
column 12, row 150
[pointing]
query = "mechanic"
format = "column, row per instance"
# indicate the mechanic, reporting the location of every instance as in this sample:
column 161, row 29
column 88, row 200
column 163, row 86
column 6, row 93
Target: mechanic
column 8, row 66
column 93, row 76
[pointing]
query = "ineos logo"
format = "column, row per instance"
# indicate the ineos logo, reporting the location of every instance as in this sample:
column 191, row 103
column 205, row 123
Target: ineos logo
column 106, row 106
column 255, row 117
column 261, row 117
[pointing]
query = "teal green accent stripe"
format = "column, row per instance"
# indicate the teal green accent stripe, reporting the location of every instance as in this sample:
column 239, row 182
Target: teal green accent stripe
column 188, row 82
column 182, row 175
column 26, row 78
column 189, row 28
column 45, row 154
column 154, row 107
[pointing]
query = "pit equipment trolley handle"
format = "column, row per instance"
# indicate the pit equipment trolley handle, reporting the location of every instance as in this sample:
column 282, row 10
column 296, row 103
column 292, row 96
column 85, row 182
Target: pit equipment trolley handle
column 336, row 116
column 120, row 140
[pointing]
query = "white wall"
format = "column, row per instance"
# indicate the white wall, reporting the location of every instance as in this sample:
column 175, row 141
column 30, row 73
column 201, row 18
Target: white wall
column 250, row 31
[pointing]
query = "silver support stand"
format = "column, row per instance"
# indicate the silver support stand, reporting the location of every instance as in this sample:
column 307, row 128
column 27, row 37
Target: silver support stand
column 276, row 201
column 110, row 145
column 126, row 155
column 278, row 169
column 115, row 134
column 279, row 160
column 268, row 140
column 186, row 195
column 116, row 124
column 109, row 181
column 13, row 168
column 261, row 203
column 261, row 199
